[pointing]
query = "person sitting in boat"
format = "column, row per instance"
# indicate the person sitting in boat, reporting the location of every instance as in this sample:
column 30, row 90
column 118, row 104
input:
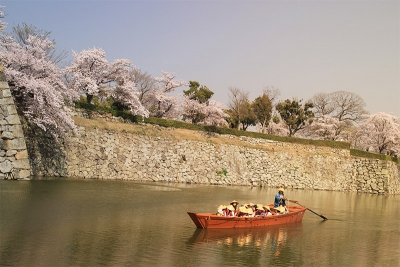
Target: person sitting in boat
column 243, row 212
column 280, row 210
column 250, row 211
column 253, row 207
column 267, row 211
column 280, row 198
column 259, row 211
column 220, row 210
column 235, row 204
column 230, row 211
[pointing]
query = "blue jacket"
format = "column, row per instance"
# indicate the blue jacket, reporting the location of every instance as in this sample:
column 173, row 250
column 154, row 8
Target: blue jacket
column 278, row 201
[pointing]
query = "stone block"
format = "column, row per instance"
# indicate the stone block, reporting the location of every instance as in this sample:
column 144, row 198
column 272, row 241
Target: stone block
column 6, row 92
column 18, row 143
column 3, row 145
column 5, row 166
column 4, row 84
column 13, row 119
column 6, row 101
column 11, row 152
column 17, row 130
column 11, row 110
column 22, row 155
column 6, row 135
column 23, row 174
column 21, row 164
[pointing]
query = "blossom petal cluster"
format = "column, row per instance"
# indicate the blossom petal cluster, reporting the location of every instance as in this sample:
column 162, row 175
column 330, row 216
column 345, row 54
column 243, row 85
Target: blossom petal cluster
column 36, row 83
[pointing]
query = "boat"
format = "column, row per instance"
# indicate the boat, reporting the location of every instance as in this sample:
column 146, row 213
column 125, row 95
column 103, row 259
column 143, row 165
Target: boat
column 213, row 221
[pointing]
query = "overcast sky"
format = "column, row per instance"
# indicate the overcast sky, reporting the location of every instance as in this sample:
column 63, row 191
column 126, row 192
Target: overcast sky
column 300, row 47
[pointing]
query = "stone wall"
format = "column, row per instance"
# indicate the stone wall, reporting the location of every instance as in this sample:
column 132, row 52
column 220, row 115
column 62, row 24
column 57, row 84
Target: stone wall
column 14, row 162
column 102, row 154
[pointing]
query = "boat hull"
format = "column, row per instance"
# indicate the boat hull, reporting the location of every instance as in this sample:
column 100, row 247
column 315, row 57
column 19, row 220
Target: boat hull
column 212, row 221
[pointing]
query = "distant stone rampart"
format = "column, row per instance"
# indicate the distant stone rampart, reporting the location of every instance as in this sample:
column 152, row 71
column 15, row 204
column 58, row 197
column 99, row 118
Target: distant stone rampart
column 104, row 154
column 14, row 162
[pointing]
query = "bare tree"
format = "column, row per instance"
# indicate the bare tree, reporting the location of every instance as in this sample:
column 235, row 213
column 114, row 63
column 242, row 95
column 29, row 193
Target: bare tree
column 145, row 84
column 237, row 100
column 322, row 105
column 272, row 93
column 342, row 105
column 348, row 106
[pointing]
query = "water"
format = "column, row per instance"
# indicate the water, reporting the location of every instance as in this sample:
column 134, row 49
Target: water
column 66, row 222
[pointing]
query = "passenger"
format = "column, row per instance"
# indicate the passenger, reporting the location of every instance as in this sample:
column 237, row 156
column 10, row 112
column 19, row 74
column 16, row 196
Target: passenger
column 280, row 210
column 231, row 211
column 235, row 204
column 259, row 211
column 253, row 207
column 267, row 210
column 280, row 199
column 243, row 212
column 220, row 210
column 250, row 212
column 225, row 211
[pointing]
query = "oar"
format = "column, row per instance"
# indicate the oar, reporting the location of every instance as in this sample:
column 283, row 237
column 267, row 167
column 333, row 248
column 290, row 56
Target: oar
column 322, row 216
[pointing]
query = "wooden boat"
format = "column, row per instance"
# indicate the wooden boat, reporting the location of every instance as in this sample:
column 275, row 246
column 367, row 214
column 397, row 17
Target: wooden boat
column 212, row 221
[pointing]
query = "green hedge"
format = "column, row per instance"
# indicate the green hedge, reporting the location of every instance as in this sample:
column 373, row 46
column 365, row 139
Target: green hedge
column 223, row 130
column 365, row 154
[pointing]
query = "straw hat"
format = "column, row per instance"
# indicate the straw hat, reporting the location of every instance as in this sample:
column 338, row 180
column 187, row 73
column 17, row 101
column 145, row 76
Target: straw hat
column 221, row 207
column 251, row 204
column 267, row 207
column 250, row 211
column 231, row 208
column 280, row 209
column 281, row 189
column 260, row 207
column 245, row 205
column 234, row 201
column 243, row 209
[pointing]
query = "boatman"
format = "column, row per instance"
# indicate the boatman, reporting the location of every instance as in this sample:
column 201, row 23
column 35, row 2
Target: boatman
column 280, row 198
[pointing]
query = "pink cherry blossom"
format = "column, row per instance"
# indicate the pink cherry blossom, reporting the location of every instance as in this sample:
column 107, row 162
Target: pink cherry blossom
column 36, row 83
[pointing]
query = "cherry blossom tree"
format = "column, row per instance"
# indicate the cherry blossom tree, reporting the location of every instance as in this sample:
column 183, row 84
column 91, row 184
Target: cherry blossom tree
column 126, row 94
column 277, row 126
column 381, row 133
column 92, row 75
column 326, row 128
column 2, row 24
column 23, row 31
column 164, row 105
column 215, row 114
column 207, row 113
column 36, row 83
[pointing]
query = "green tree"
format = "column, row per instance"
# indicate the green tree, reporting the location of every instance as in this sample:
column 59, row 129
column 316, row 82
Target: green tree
column 245, row 118
column 295, row 114
column 232, row 120
column 248, row 116
column 262, row 108
column 200, row 93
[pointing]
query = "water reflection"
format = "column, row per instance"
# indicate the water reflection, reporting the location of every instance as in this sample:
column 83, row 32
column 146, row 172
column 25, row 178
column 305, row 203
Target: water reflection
column 120, row 223
column 258, row 246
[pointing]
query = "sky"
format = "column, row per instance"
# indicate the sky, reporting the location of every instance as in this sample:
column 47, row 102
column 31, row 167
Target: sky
column 300, row 47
